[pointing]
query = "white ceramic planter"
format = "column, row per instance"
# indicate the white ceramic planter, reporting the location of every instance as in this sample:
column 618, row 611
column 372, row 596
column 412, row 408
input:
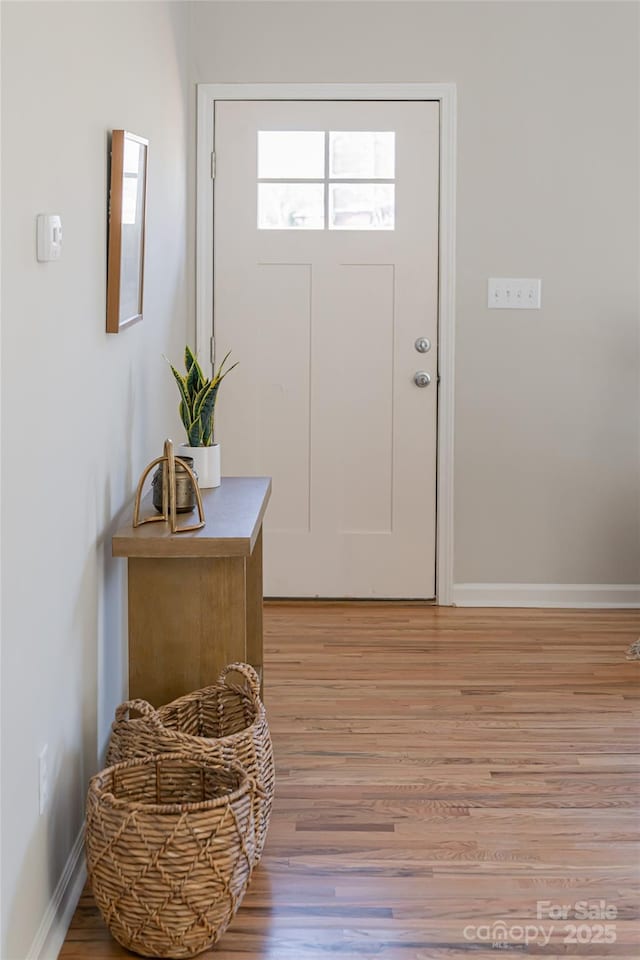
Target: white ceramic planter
column 206, row 461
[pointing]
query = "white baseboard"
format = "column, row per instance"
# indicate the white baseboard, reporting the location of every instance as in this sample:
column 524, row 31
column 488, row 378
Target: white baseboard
column 567, row 595
column 55, row 923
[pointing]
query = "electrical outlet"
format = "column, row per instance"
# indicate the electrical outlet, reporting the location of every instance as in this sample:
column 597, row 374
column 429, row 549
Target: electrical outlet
column 43, row 778
column 514, row 294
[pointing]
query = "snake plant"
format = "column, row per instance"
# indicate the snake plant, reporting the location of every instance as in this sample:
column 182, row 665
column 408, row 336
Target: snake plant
column 198, row 398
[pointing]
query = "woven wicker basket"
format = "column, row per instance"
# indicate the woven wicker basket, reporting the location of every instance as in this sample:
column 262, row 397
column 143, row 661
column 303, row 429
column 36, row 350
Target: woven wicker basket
column 226, row 723
column 170, row 848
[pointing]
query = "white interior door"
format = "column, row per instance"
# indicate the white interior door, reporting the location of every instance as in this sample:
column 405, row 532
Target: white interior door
column 325, row 276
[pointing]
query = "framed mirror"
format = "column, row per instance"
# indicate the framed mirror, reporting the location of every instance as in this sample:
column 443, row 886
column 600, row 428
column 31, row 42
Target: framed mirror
column 127, row 213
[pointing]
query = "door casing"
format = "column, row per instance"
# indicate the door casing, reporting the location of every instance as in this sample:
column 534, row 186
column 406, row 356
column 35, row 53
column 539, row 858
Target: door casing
column 445, row 94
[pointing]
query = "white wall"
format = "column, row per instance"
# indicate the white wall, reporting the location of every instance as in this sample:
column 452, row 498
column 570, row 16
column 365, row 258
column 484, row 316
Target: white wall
column 82, row 412
column 547, row 460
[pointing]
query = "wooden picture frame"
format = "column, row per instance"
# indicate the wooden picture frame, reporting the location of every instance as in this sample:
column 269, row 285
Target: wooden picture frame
column 127, row 227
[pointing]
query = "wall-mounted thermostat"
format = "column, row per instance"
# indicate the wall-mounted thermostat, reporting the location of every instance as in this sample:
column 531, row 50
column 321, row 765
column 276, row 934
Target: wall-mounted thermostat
column 49, row 237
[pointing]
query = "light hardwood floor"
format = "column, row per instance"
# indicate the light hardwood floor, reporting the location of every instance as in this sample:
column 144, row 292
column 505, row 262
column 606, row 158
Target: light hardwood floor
column 439, row 770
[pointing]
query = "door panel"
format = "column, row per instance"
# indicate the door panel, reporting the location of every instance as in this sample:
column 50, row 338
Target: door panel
column 283, row 395
column 363, row 423
column 322, row 306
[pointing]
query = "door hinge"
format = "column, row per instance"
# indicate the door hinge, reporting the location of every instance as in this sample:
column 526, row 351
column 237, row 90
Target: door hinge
column 213, row 165
column 213, row 351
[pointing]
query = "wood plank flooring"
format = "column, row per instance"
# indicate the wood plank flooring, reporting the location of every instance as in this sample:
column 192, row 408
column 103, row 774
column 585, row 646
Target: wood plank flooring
column 441, row 770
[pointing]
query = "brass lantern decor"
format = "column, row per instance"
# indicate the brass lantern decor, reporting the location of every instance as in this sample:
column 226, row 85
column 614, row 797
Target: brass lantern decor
column 170, row 506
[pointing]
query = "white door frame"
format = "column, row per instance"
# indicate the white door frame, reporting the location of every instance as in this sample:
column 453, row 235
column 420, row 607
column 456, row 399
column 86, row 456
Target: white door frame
column 445, row 94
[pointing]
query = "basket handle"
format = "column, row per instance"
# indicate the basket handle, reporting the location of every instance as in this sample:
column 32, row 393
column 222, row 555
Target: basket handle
column 255, row 786
column 141, row 706
column 247, row 671
column 257, row 789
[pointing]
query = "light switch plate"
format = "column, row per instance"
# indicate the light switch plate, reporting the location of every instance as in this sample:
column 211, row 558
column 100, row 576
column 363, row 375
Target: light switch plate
column 513, row 293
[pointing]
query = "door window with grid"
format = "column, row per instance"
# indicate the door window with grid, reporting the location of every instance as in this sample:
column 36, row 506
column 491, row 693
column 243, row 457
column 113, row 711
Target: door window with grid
column 318, row 179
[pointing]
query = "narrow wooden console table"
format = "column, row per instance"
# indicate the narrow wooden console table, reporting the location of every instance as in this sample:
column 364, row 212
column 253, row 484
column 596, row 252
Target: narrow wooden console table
column 195, row 599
